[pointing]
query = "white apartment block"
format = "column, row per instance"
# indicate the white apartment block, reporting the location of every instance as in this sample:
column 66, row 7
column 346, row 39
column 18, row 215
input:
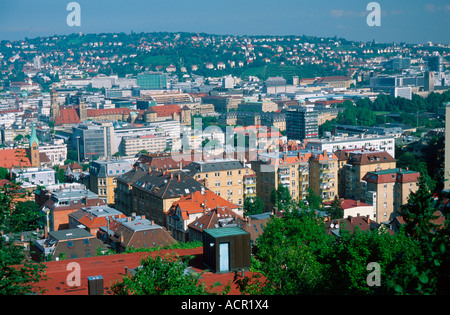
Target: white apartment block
column 130, row 146
column 379, row 143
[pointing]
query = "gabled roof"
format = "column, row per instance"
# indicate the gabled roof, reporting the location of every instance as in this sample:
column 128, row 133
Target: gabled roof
column 164, row 110
column 67, row 116
column 14, row 158
column 201, row 201
column 215, row 218
column 167, row 185
column 392, row 175
column 365, row 157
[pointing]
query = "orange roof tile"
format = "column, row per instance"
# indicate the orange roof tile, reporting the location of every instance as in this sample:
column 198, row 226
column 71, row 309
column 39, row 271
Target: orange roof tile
column 14, row 158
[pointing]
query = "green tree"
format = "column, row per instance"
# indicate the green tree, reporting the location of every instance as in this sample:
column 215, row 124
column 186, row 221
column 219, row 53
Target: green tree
column 4, row 173
column 314, row 201
column 290, row 252
column 253, row 206
column 17, row 275
column 335, row 210
column 281, row 197
column 160, row 276
column 26, row 216
column 419, row 212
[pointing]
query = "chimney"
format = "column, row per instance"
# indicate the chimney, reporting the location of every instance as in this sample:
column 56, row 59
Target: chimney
column 350, row 218
column 368, row 219
column 357, row 202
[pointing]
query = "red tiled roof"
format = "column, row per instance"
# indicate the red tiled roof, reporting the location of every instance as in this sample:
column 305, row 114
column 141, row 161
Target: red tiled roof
column 164, row 110
column 350, row 203
column 14, row 158
column 112, row 269
column 108, row 111
column 192, row 203
column 67, row 116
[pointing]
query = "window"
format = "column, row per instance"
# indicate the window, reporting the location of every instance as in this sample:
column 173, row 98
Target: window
column 69, row 244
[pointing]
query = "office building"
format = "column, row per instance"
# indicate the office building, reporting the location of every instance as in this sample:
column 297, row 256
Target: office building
column 94, row 140
column 301, row 123
column 436, row 63
column 131, row 146
column 152, row 81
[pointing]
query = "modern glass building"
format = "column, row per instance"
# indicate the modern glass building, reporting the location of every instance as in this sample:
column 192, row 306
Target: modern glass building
column 152, row 81
column 301, row 123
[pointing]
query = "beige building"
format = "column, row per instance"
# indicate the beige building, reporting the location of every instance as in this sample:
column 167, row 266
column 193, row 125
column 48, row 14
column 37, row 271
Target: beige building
column 361, row 162
column 388, row 190
column 289, row 170
column 154, row 193
column 224, row 177
column 323, row 169
column 103, row 176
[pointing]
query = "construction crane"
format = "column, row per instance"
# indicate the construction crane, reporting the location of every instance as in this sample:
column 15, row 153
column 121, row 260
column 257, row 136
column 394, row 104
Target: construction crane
column 17, row 100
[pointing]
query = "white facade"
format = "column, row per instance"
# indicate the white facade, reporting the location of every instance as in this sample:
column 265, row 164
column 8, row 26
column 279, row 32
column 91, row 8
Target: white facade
column 57, row 153
column 384, row 143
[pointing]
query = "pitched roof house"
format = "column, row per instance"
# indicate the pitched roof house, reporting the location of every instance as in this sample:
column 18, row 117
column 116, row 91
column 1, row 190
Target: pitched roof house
column 194, row 207
column 135, row 232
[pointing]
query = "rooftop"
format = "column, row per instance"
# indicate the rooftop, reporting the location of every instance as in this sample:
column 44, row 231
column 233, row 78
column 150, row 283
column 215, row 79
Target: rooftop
column 225, row 231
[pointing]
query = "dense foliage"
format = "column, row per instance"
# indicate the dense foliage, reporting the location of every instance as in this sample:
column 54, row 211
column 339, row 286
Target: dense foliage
column 296, row 255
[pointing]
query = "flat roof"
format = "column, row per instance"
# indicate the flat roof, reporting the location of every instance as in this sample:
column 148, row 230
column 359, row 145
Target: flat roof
column 225, row 231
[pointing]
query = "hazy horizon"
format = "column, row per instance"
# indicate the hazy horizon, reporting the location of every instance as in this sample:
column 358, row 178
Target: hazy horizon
column 412, row 22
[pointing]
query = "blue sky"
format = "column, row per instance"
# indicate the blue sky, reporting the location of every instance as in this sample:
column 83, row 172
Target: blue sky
column 413, row 21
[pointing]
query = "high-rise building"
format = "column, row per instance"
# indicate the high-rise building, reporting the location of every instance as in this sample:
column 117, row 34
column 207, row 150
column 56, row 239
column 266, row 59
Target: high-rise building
column 54, row 109
column 429, row 81
column 93, row 140
column 301, row 123
column 152, row 81
column 436, row 63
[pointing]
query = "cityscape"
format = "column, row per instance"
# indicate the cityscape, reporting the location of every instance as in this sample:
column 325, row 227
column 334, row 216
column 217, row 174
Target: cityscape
column 195, row 163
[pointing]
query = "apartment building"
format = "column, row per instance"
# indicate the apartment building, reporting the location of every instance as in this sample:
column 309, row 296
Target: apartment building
column 193, row 206
column 388, row 190
column 103, row 177
column 63, row 201
column 154, row 193
column 359, row 163
column 156, row 143
column 378, row 143
column 323, row 169
column 224, row 177
column 288, row 169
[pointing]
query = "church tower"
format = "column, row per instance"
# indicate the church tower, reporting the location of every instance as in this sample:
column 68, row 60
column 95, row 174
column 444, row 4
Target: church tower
column 54, row 109
column 34, row 149
column 82, row 112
